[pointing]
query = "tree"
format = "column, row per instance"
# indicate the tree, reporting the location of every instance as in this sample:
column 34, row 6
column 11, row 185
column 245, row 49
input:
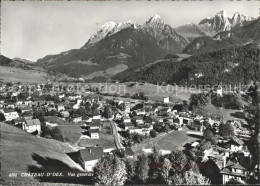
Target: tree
column 190, row 178
column 2, row 117
column 180, row 161
column 53, row 133
column 142, row 168
column 110, row 171
column 205, row 145
column 107, row 112
column 254, row 144
column 39, row 114
column 81, row 111
column 156, row 153
column 165, row 171
column 226, row 130
column 153, row 133
column 209, row 136
column 130, row 168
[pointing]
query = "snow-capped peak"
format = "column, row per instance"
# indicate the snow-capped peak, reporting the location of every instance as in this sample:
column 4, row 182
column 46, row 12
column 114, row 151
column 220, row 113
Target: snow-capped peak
column 110, row 28
column 222, row 13
column 154, row 18
column 223, row 22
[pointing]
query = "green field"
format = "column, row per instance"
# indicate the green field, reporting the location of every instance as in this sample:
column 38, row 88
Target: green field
column 105, row 141
column 154, row 92
column 171, row 141
column 12, row 74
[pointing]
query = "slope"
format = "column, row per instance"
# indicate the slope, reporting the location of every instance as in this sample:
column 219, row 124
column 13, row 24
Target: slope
column 22, row 152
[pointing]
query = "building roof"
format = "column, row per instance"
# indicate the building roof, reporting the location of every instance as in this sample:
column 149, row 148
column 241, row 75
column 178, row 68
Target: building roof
column 129, row 152
column 33, row 122
column 91, row 153
column 51, row 119
column 236, row 141
column 95, row 123
column 93, row 131
column 18, row 120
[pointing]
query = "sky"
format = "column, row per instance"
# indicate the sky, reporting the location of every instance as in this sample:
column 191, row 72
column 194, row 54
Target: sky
column 33, row 30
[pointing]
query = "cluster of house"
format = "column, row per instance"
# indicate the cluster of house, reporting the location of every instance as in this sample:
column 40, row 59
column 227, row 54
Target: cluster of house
column 132, row 117
column 24, row 119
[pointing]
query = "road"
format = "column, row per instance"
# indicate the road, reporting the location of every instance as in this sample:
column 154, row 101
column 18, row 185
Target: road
column 116, row 136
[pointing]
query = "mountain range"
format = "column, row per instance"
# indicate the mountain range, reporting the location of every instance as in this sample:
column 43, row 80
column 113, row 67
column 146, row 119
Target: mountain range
column 119, row 47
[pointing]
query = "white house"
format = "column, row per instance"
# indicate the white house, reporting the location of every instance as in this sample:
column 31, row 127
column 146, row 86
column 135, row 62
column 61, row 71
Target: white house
column 60, row 108
column 76, row 106
column 9, row 116
column 89, row 157
column 32, row 125
column 77, row 119
column 235, row 144
column 166, row 99
column 94, row 133
column 97, row 117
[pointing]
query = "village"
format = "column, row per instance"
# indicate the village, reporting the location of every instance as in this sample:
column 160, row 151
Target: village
column 95, row 125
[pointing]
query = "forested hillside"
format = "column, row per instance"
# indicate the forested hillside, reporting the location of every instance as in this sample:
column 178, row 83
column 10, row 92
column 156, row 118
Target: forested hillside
column 228, row 66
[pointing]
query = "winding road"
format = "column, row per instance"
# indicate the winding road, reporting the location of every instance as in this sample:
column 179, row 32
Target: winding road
column 116, row 136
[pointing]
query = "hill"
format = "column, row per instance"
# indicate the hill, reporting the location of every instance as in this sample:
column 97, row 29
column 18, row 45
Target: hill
column 116, row 47
column 22, row 152
column 129, row 47
column 232, row 66
column 235, row 37
column 192, row 31
column 20, row 71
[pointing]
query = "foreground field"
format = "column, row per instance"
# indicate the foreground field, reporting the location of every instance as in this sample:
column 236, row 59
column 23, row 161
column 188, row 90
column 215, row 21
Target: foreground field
column 12, row 74
column 22, row 153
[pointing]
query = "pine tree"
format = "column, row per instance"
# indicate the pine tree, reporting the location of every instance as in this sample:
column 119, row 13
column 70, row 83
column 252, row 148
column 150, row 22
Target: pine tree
column 143, row 168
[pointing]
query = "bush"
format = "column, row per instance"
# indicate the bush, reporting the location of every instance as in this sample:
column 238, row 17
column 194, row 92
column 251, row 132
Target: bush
column 153, row 133
column 54, row 133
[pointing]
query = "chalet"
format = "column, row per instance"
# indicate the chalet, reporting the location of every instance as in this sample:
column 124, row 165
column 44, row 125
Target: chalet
column 89, row 157
column 19, row 121
column 139, row 131
column 178, row 121
column 128, row 125
column 50, row 103
column 88, row 119
column 94, row 133
column 60, row 108
column 76, row 106
column 9, row 116
column 118, row 116
column 61, row 95
column 233, row 170
column 97, row 117
column 166, row 99
column 187, row 121
column 28, row 114
column 127, row 120
column 95, row 124
column 77, row 119
column 51, row 121
column 74, row 97
column 38, row 103
column 138, row 119
column 235, row 144
column 27, row 102
column 79, row 101
column 32, row 125
column 140, row 112
column 25, row 109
